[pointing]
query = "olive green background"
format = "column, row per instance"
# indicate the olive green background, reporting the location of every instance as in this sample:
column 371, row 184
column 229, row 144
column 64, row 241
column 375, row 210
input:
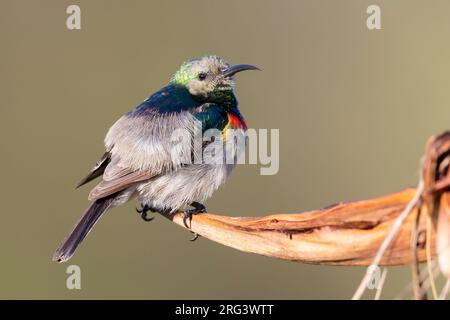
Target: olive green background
column 354, row 108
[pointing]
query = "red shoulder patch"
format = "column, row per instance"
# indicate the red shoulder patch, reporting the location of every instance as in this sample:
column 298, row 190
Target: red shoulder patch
column 235, row 122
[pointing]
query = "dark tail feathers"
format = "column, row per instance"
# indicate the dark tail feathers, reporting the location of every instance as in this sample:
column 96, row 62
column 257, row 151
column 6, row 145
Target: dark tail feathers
column 81, row 229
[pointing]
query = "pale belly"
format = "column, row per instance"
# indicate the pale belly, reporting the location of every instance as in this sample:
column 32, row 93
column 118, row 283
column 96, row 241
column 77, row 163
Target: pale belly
column 175, row 190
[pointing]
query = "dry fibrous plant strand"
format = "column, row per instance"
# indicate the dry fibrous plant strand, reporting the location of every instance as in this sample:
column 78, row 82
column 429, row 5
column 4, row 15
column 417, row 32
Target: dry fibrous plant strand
column 429, row 267
column 387, row 241
column 381, row 284
column 415, row 271
column 445, row 290
column 424, row 279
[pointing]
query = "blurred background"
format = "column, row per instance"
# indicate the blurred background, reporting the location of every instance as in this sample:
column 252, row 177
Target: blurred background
column 354, row 108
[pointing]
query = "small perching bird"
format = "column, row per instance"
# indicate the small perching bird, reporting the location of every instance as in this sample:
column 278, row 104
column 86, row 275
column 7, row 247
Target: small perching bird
column 140, row 161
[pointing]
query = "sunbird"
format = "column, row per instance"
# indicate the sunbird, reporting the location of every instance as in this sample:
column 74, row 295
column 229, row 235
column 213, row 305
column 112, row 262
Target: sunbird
column 139, row 161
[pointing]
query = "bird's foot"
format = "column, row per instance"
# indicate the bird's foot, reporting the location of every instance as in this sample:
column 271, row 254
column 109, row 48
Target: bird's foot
column 198, row 208
column 143, row 212
column 195, row 237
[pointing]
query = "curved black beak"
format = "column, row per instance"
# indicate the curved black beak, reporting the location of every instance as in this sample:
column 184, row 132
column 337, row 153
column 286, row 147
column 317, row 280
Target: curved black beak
column 233, row 69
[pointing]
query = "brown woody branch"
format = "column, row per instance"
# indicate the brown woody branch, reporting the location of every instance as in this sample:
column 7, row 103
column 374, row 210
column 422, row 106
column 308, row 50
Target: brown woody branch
column 350, row 233
column 344, row 234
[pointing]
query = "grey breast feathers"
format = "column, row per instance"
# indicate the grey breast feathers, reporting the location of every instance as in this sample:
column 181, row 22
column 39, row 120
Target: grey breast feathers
column 140, row 147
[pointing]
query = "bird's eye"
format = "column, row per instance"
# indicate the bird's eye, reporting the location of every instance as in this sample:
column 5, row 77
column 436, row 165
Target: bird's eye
column 201, row 76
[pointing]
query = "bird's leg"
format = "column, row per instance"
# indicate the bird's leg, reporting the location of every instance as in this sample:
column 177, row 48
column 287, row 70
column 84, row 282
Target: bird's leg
column 198, row 208
column 143, row 212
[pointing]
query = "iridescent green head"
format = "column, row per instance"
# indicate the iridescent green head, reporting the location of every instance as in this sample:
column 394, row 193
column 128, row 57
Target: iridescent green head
column 208, row 75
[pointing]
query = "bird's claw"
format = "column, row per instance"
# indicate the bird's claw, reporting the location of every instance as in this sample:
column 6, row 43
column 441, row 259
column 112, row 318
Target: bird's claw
column 195, row 237
column 143, row 213
column 187, row 215
column 198, row 208
column 145, row 217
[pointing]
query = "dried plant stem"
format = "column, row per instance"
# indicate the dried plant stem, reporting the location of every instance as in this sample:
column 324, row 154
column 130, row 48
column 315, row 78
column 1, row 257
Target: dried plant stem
column 344, row 234
column 424, row 279
column 415, row 271
column 427, row 282
column 387, row 241
column 445, row 290
column 428, row 251
column 381, row 284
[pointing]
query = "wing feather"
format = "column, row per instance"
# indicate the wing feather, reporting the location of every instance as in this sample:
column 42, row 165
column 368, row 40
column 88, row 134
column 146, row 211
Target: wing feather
column 97, row 170
column 109, row 187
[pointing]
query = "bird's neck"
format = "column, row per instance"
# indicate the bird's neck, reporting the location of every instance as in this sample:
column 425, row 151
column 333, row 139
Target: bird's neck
column 224, row 98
